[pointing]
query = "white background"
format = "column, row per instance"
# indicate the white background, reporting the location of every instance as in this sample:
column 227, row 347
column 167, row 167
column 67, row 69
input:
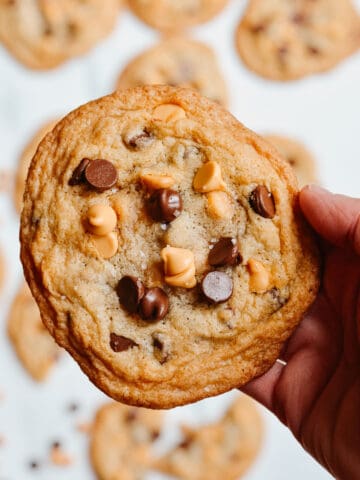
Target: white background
column 322, row 111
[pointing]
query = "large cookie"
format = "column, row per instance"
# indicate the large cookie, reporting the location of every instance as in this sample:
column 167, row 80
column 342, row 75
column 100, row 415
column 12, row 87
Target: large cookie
column 286, row 40
column 121, row 440
column 42, row 34
column 177, row 62
column 301, row 160
column 225, row 449
column 164, row 244
column 24, row 163
column 33, row 344
column 175, row 15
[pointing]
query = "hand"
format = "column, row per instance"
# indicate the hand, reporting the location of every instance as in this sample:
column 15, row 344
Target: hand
column 317, row 393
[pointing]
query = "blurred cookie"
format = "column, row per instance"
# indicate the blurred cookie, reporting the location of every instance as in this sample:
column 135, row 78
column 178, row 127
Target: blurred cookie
column 286, row 40
column 225, row 449
column 121, row 440
column 177, row 62
column 33, row 344
column 42, row 34
column 175, row 15
column 24, row 163
column 297, row 156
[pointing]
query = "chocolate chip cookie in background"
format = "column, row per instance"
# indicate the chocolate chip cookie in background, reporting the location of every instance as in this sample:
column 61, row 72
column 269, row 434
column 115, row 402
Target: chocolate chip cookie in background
column 24, row 163
column 224, row 449
column 34, row 346
column 121, row 441
column 175, row 15
column 298, row 156
column 284, row 40
column 177, row 62
column 42, row 34
column 126, row 200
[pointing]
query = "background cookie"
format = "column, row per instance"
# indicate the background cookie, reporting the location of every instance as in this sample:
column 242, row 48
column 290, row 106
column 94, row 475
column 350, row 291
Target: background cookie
column 121, row 440
column 42, row 34
column 175, row 15
column 177, row 62
column 143, row 320
column 284, row 40
column 33, row 344
column 225, row 449
column 297, row 156
column 24, row 163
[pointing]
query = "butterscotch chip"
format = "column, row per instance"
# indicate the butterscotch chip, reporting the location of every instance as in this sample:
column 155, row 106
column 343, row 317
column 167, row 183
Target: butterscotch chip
column 286, row 41
column 106, row 245
column 169, row 113
column 120, row 348
column 259, row 276
column 155, row 181
column 44, row 34
column 100, row 219
column 220, row 205
column 59, row 457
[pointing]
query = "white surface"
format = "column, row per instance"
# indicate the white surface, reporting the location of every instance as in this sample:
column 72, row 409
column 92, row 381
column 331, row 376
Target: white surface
column 323, row 111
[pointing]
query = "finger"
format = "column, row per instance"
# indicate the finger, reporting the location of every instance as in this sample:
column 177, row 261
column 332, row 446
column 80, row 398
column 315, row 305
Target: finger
column 335, row 217
column 262, row 388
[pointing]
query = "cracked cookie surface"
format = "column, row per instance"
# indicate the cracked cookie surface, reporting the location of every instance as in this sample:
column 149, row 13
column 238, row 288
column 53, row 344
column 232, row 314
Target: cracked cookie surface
column 178, row 62
column 290, row 39
column 42, row 34
column 165, row 247
column 172, row 15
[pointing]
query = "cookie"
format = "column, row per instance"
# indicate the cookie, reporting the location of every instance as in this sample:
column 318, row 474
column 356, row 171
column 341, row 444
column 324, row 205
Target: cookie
column 42, row 34
column 24, row 163
column 33, row 344
column 172, row 15
column 164, row 245
column 121, row 441
column 297, row 156
column 284, row 40
column 177, row 62
column 225, row 449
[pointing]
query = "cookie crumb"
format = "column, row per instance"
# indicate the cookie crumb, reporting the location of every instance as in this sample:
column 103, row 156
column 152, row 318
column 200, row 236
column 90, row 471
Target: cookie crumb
column 58, row 457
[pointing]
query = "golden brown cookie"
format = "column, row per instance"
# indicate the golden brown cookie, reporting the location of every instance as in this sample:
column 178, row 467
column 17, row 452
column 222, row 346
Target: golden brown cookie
column 165, row 247
column 121, row 440
column 24, row 163
column 175, row 15
column 42, row 34
column 177, row 62
column 285, row 40
column 299, row 157
column 225, row 449
column 33, row 344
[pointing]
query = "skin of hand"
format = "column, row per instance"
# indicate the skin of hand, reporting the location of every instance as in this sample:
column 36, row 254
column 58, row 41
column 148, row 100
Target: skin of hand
column 317, row 393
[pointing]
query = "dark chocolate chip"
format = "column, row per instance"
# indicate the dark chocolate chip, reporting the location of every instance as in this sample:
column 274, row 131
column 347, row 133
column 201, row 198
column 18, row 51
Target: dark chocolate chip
column 119, row 343
column 165, row 205
column 131, row 416
column 217, row 287
column 161, row 352
column 154, row 304
column 262, row 202
column 101, row 174
column 140, row 140
column 78, row 175
column 225, row 252
column 130, row 291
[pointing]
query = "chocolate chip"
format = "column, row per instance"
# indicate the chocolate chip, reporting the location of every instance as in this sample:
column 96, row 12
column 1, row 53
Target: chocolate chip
column 259, row 28
column 131, row 416
column 56, row 444
column 299, row 18
column 292, row 161
column 119, row 343
column 140, row 140
column 217, row 287
column 78, row 175
column 34, row 465
column 101, row 174
column 155, row 435
column 154, row 304
column 185, row 444
column 161, row 351
column 313, row 50
column 225, row 252
column 73, row 407
column 262, row 202
column 165, row 205
column 130, row 291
